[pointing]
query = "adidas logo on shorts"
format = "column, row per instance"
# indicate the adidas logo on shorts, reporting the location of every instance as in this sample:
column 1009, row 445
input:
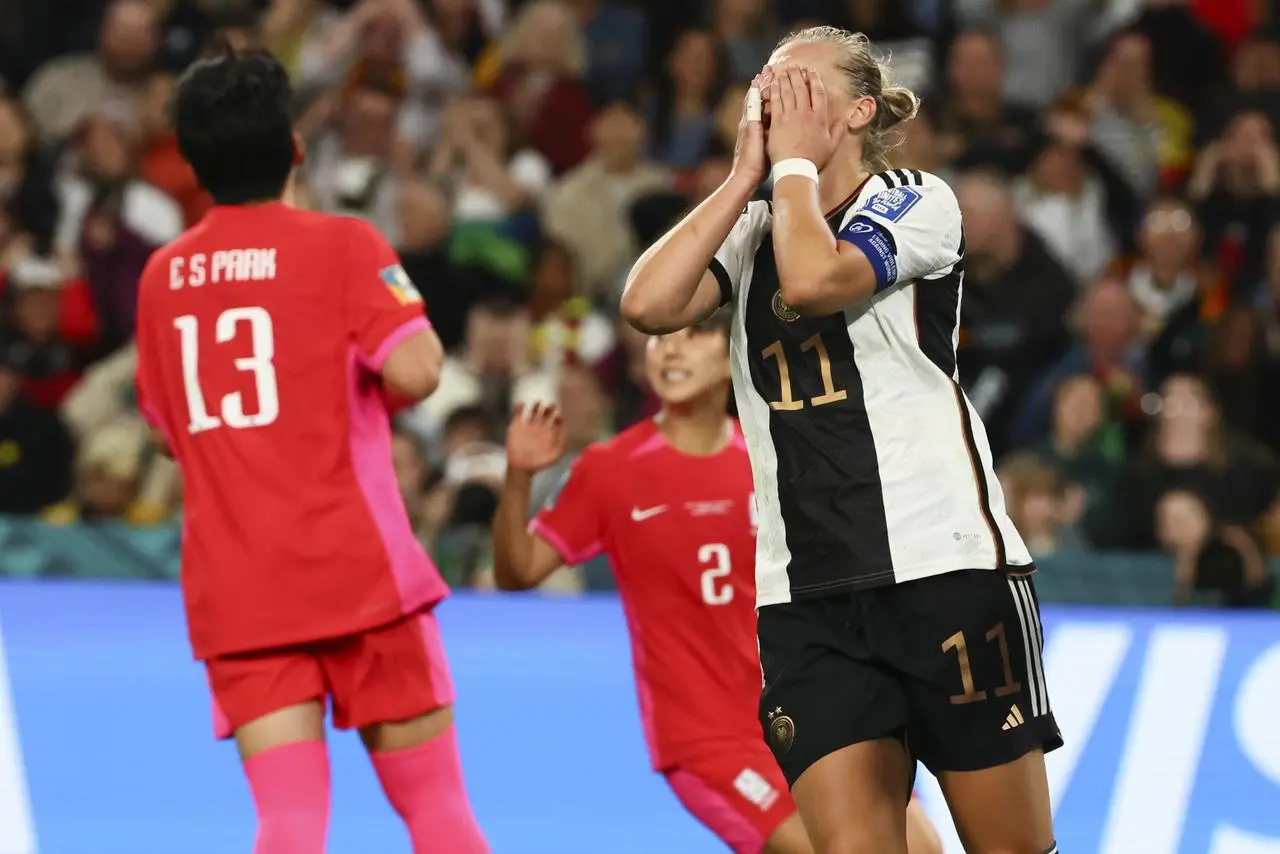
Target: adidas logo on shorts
column 1015, row 718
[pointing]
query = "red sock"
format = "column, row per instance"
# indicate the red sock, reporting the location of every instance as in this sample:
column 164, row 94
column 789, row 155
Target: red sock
column 424, row 785
column 290, row 786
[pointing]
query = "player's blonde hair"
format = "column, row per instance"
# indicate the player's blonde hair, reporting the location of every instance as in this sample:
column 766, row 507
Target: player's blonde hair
column 868, row 77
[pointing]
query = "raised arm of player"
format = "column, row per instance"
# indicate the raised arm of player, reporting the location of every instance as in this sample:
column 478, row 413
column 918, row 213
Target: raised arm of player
column 674, row 284
column 387, row 318
column 897, row 235
column 564, row 532
column 817, row 274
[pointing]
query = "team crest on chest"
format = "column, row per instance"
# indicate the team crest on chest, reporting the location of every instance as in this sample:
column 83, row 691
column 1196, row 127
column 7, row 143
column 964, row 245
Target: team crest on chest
column 782, row 311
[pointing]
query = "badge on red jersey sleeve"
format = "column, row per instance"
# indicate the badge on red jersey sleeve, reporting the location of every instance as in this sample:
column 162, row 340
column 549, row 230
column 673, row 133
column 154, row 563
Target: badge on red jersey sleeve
column 400, row 285
column 383, row 304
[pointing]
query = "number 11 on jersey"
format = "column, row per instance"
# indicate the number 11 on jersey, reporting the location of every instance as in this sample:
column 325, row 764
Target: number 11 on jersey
column 259, row 364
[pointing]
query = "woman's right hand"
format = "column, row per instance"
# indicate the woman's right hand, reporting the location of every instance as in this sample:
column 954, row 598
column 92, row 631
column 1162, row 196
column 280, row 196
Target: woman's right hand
column 535, row 439
column 749, row 159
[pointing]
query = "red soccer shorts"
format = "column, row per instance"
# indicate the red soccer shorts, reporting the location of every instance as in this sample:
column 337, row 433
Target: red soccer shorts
column 395, row 672
column 739, row 793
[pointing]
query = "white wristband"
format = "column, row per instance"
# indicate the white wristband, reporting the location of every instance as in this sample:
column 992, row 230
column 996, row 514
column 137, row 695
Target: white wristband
column 795, row 166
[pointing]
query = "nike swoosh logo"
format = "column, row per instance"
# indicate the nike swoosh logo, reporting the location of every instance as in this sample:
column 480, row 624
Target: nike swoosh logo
column 638, row 515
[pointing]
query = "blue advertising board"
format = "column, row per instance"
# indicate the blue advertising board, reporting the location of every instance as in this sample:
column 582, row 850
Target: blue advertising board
column 1172, row 721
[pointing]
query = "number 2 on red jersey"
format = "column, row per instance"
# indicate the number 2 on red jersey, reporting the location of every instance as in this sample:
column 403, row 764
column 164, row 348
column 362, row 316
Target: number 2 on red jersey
column 231, row 408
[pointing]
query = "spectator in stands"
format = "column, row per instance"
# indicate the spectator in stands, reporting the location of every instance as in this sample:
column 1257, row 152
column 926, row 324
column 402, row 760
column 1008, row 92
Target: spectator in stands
column 567, row 329
column 1176, row 33
column 425, row 224
column 185, row 29
column 1043, row 506
column 1255, row 69
column 745, row 30
column 1139, row 133
column 1086, row 445
column 1236, row 189
column 1064, row 202
column 682, row 117
column 1016, row 297
column 540, row 82
column 36, row 450
column 587, row 211
column 894, row 28
column 623, row 376
column 354, row 167
column 1244, row 376
column 976, row 126
column 1210, row 558
column 26, row 185
column 491, row 179
column 409, row 460
column 921, row 147
column 162, row 165
column 48, row 323
column 1189, row 448
column 1043, row 43
column 474, row 466
column 1107, row 347
column 65, row 89
column 492, row 371
column 105, row 397
column 616, row 38
column 111, row 220
column 1166, row 276
column 107, row 477
column 388, row 38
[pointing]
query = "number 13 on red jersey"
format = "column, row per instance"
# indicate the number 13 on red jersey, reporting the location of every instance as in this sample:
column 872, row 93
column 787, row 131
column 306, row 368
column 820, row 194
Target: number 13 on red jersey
column 231, row 410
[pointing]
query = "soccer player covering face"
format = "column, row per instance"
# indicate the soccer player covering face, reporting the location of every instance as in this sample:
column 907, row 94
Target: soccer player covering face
column 897, row 617
column 670, row 502
column 270, row 341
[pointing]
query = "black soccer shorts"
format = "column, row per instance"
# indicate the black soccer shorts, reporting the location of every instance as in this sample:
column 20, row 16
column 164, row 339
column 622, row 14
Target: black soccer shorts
column 951, row 664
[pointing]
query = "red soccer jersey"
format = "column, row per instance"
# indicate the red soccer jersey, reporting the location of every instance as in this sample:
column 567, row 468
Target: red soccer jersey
column 679, row 531
column 261, row 332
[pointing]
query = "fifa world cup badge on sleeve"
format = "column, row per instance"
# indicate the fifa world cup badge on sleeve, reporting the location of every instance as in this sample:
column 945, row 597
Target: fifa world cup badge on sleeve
column 894, row 203
column 401, row 285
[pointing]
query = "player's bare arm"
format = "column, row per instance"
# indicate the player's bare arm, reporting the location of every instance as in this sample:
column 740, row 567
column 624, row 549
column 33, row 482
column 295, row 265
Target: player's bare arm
column 412, row 370
column 521, row 558
column 670, row 287
column 818, row 274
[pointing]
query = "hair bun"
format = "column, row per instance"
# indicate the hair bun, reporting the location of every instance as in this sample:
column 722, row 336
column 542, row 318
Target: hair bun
column 897, row 104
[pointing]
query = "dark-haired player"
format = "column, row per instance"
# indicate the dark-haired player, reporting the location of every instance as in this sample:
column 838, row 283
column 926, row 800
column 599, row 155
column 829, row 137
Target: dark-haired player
column 670, row 501
column 269, row 342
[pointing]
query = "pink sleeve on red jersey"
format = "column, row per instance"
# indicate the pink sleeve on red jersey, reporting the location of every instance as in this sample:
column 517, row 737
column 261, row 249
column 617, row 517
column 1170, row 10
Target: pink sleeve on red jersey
column 570, row 521
column 383, row 306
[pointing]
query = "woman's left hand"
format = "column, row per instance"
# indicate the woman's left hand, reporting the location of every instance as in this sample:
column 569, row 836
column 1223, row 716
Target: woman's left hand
column 798, row 124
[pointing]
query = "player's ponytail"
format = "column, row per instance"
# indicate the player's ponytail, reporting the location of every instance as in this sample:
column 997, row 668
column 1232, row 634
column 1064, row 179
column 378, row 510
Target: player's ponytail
column 868, row 76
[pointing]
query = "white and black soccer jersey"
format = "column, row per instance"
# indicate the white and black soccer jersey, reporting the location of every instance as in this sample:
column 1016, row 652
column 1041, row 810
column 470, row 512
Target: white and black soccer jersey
column 871, row 466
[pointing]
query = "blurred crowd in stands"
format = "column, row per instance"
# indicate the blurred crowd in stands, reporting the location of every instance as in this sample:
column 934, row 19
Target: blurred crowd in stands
column 1116, row 162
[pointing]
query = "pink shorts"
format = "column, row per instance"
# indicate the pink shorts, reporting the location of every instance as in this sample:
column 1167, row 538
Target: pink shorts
column 395, row 672
column 738, row 793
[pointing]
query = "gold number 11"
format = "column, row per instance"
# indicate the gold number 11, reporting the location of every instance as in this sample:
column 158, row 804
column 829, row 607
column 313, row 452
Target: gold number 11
column 830, row 394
